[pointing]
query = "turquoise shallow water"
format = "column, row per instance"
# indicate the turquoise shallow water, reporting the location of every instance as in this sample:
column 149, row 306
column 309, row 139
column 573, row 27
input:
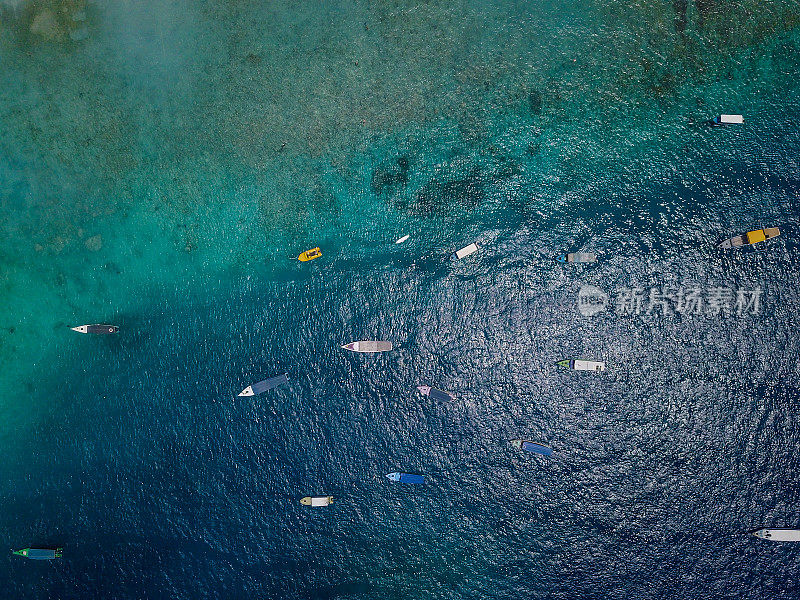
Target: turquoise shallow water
column 162, row 164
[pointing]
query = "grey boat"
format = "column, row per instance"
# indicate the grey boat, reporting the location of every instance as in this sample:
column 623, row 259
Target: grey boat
column 263, row 386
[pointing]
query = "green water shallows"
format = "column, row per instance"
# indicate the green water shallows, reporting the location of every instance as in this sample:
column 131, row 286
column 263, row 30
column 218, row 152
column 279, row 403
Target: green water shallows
column 153, row 148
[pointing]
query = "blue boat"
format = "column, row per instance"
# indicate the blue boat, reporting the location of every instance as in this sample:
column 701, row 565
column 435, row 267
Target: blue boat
column 406, row 478
column 532, row 447
column 263, row 386
column 432, row 392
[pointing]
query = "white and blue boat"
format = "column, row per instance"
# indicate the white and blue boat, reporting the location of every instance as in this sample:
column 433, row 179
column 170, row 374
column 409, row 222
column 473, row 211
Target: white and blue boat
column 406, row 478
column 577, row 257
column 263, row 386
column 726, row 120
column 432, row 392
column 532, row 447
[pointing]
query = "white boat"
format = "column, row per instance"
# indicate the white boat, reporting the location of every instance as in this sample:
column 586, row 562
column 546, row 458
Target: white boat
column 368, row 346
column 583, row 365
column 728, row 120
column 465, row 251
column 402, row 239
column 778, row 535
column 316, row 500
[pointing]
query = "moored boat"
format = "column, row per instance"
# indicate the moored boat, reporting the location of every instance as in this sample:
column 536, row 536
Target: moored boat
column 582, row 365
column 39, row 553
column 406, row 478
column 316, row 500
column 578, row 257
column 368, row 346
column 750, row 238
column 465, row 251
column 727, row 120
column 263, row 386
column 532, row 447
column 309, row 255
column 98, row 329
column 779, row 534
column 432, row 392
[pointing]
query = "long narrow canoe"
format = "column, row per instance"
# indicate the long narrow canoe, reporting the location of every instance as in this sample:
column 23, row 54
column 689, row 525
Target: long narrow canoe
column 465, row 251
column 432, row 392
column 316, row 500
column 532, row 447
column 778, row 535
column 368, row 346
column 406, row 478
column 98, row 329
column 582, row 365
column 578, row 257
column 750, row 238
column 263, row 386
column 39, row 553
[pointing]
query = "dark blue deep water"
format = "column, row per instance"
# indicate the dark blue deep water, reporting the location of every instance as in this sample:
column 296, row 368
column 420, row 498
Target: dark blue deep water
column 161, row 166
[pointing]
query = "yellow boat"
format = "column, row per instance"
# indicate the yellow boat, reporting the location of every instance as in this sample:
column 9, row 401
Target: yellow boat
column 751, row 237
column 310, row 254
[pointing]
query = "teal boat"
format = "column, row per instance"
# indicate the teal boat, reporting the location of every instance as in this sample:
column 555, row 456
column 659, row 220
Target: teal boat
column 39, row 553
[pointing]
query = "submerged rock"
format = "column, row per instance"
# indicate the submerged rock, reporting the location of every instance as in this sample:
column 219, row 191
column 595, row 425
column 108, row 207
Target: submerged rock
column 94, row 243
column 79, row 34
column 46, row 25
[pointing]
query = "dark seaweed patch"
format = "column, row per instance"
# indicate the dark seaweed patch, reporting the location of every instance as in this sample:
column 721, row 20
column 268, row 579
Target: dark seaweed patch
column 535, row 102
column 388, row 177
column 435, row 196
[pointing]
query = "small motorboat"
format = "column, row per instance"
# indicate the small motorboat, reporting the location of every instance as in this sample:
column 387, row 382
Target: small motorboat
column 406, row 478
column 465, row 251
column 309, row 255
column 263, row 386
column 778, row 535
column 432, row 392
column 726, row 120
column 96, row 329
column 577, row 257
column 750, row 238
column 532, row 447
column 582, row 365
column 402, row 239
column 316, row 500
column 39, row 553
column 368, row 346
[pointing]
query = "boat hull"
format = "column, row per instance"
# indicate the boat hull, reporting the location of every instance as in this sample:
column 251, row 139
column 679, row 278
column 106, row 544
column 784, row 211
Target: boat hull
column 39, row 553
column 432, row 392
column 532, row 447
column 316, row 500
column 465, row 251
column 97, row 329
column 751, row 238
column 309, row 255
column 583, row 365
column 778, row 535
column 263, row 386
column 369, row 346
column 406, row 478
